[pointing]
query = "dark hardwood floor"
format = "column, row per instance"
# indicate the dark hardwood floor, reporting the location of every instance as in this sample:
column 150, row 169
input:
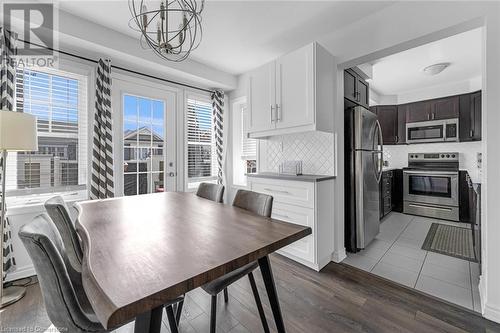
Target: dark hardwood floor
column 339, row 299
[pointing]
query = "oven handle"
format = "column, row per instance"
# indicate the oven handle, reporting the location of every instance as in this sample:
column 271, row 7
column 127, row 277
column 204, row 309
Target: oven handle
column 434, row 173
column 430, row 207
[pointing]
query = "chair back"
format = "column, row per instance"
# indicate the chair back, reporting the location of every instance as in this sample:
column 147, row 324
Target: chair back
column 61, row 295
column 60, row 215
column 258, row 203
column 211, row 191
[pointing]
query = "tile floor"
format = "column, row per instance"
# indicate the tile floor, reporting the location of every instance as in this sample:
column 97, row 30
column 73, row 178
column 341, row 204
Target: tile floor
column 396, row 254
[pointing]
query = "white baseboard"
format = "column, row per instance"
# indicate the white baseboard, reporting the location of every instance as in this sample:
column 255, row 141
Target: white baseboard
column 338, row 256
column 491, row 313
column 21, row 273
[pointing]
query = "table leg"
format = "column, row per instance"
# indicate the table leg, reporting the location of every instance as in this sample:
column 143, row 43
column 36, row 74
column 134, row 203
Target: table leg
column 149, row 322
column 267, row 274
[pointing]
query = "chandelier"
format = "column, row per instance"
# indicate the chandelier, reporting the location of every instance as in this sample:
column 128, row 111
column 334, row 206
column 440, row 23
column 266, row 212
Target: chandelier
column 172, row 30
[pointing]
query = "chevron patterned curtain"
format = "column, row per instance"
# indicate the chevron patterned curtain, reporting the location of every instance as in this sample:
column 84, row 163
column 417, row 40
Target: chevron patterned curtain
column 218, row 115
column 102, row 182
column 7, row 87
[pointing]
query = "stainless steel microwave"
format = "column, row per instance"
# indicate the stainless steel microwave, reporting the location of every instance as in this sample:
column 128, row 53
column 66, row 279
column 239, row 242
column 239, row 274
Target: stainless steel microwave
column 432, row 131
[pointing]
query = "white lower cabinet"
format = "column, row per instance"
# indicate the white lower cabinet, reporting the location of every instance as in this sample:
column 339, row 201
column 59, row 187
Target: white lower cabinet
column 304, row 203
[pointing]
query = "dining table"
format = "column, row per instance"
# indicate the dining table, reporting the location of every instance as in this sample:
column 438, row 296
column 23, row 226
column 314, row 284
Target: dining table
column 141, row 251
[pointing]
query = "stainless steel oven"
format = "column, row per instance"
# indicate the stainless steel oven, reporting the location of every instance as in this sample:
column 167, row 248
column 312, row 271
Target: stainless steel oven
column 430, row 185
column 432, row 131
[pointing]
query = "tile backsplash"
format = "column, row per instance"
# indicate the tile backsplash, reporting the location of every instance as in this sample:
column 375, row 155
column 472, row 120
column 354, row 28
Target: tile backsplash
column 315, row 149
column 397, row 156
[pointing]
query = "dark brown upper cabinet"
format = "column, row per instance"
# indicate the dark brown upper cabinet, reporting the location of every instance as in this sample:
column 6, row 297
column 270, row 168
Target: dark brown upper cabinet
column 402, row 123
column 388, row 119
column 444, row 108
column 418, row 111
column 470, row 117
column 356, row 89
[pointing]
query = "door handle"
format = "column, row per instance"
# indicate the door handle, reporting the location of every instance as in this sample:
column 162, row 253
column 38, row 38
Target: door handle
column 278, row 112
column 433, row 116
column 272, row 113
column 471, row 133
column 428, row 116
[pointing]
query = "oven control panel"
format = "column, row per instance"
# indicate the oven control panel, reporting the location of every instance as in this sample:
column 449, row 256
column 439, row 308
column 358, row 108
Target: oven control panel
column 429, row 157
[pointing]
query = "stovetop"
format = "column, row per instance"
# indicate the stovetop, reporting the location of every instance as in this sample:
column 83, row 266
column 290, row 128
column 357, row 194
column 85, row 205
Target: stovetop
column 433, row 161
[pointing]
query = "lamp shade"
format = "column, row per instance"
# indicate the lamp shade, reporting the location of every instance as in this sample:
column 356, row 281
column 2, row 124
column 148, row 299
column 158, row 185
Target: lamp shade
column 17, row 131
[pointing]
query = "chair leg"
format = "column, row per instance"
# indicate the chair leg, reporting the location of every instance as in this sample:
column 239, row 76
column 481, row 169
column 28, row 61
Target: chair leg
column 226, row 295
column 213, row 314
column 178, row 311
column 258, row 302
column 171, row 319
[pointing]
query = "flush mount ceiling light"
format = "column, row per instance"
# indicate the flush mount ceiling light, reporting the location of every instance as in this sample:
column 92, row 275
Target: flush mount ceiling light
column 172, row 30
column 436, row 68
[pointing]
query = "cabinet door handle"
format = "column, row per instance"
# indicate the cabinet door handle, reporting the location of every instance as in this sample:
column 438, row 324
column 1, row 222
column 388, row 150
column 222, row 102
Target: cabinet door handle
column 428, row 116
column 281, row 215
column 471, row 133
column 275, row 191
column 396, row 138
column 272, row 113
column 278, row 112
column 433, row 116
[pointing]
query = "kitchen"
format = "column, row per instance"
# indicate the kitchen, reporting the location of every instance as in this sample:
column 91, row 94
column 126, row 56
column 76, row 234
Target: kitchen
column 414, row 120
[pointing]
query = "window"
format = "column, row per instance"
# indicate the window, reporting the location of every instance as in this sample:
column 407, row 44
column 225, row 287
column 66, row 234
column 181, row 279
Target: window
column 201, row 161
column 58, row 99
column 143, row 145
column 244, row 148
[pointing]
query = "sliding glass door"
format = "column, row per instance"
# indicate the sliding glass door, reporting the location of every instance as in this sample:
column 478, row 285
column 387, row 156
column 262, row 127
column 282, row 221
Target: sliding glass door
column 147, row 147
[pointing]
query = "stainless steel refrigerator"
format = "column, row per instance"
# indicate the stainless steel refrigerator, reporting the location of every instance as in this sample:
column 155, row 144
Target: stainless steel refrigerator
column 364, row 161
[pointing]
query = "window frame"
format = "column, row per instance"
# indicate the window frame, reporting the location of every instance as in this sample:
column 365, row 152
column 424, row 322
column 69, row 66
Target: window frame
column 191, row 184
column 83, row 74
column 236, row 142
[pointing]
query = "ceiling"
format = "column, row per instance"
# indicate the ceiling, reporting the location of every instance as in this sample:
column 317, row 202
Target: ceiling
column 241, row 35
column 402, row 72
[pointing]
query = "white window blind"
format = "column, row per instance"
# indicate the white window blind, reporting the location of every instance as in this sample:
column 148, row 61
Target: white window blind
column 201, row 161
column 59, row 101
column 248, row 145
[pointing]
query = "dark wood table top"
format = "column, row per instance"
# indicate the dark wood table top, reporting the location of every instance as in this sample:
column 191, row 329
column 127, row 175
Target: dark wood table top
column 141, row 251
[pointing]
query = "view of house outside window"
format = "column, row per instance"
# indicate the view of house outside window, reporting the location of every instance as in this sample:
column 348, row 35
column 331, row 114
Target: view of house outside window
column 58, row 101
column 143, row 145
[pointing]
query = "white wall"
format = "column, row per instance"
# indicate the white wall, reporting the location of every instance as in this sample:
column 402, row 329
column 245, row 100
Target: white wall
column 443, row 90
column 449, row 89
column 397, row 156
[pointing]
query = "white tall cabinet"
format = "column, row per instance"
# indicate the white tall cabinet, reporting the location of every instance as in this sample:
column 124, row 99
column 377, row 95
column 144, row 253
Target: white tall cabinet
column 293, row 93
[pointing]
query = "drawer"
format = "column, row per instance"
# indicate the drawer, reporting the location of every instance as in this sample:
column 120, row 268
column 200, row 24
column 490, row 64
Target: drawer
column 303, row 248
column 387, row 205
column 386, row 185
column 289, row 192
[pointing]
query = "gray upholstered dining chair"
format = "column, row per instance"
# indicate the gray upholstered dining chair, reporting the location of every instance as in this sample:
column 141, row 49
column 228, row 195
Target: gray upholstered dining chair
column 65, row 300
column 59, row 213
column 210, row 191
column 260, row 204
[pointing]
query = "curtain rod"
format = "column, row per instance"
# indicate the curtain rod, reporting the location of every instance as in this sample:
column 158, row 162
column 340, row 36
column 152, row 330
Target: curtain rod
column 120, row 68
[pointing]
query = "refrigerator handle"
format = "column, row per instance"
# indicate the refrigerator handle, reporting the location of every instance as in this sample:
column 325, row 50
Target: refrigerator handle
column 378, row 169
